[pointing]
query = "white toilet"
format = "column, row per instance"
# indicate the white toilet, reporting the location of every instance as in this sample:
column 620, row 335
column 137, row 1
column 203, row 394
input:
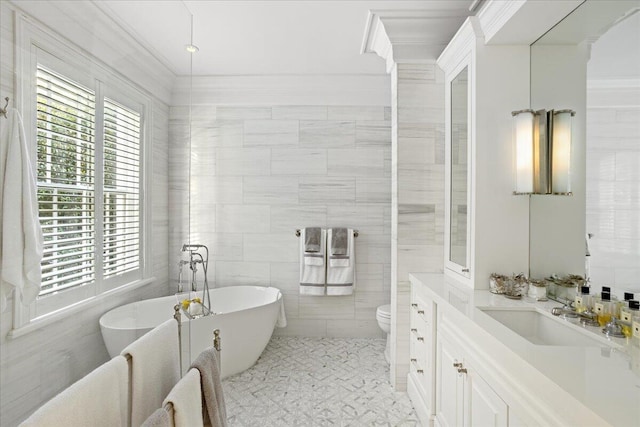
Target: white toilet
column 383, row 316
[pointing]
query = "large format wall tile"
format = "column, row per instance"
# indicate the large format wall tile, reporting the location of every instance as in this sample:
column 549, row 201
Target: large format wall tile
column 327, row 190
column 299, row 161
column 299, row 112
column 327, row 134
column 270, row 133
column 258, row 173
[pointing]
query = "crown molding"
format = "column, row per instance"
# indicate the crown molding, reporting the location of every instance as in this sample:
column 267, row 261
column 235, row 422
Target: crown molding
column 401, row 36
column 521, row 21
column 461, row 44
column 495, row 14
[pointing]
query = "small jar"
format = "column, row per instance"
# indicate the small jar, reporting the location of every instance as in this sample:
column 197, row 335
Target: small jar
column 537, row 289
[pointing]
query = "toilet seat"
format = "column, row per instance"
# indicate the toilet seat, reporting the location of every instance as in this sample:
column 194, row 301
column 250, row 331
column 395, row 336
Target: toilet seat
column 384, row 311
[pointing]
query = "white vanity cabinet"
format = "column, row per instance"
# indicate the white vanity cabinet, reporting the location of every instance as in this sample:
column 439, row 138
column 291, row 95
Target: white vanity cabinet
column 422, row 354
column 463, row 397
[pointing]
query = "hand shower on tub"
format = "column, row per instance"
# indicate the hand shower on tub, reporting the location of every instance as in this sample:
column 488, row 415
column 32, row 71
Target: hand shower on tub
column 195, row 258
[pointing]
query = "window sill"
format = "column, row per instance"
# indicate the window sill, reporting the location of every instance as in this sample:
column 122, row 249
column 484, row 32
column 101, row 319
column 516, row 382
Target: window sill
column 63, row 313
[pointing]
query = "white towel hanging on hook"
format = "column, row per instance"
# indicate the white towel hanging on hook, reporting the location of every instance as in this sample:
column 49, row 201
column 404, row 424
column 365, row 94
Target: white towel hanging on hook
column 21, row 232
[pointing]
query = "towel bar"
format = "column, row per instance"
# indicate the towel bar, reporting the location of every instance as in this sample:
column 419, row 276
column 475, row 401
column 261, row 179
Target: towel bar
column 355, row 232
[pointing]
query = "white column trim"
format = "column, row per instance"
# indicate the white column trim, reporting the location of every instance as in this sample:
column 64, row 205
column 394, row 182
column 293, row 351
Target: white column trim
column 408, row 36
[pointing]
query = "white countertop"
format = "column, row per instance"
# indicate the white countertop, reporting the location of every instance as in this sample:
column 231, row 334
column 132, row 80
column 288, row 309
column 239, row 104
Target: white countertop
column 604, row 377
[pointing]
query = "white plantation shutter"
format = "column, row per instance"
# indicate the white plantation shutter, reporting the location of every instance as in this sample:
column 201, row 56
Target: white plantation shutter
column 88, row 147
column 121, row 243
column 66, row 180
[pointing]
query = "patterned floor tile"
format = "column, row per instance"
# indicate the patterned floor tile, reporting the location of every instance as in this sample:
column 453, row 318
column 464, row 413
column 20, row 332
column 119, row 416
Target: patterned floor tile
column 311, row 382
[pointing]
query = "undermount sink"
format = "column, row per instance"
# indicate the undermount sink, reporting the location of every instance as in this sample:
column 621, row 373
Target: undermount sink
column 542, row 329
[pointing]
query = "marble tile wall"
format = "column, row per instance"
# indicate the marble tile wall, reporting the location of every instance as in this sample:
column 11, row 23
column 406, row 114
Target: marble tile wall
column 260, row 172
column 36, row 366
column 417, row 209
column 613, row 194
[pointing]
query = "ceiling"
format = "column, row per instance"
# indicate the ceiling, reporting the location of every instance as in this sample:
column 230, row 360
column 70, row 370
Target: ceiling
column 265, row 37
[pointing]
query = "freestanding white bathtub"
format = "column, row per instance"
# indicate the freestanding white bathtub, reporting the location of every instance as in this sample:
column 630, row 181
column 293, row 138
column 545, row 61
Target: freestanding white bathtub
column 245, row 315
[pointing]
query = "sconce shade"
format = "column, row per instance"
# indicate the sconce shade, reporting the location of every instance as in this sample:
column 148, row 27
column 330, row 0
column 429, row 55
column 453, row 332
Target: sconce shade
column 560, row 146
column 523, row 122
column 542, row 151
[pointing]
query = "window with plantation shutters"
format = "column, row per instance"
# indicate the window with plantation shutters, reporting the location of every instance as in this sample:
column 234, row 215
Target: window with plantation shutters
column 87, row 127
column 89, row 182
column 66, row 181
column 121, row 219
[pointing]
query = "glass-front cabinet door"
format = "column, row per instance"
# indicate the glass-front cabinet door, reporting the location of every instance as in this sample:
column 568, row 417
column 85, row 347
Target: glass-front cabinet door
column 457, row 203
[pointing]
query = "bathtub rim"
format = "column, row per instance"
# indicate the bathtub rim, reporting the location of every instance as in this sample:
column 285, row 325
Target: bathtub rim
column 109, row 314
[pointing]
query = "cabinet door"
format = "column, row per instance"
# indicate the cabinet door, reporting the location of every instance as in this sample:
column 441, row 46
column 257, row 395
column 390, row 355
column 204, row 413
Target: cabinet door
column 485, row 407
column 449, row 385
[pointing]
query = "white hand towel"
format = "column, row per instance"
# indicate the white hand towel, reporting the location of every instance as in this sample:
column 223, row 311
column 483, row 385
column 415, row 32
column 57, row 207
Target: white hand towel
column 21, row 233
column 186, row 398
column 99, row 399
column 341, row 271
column 282, row 318
column 155, row 369
column 313, row 267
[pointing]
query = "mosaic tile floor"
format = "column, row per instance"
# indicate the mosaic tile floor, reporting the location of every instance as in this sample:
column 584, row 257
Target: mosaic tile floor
column 317, row 382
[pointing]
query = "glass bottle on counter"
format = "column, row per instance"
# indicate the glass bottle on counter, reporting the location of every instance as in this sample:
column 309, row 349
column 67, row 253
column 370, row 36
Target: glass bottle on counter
column 626, row 317
column 604, row 309
column 635, row 327
column 583, row 300
column 628, row 296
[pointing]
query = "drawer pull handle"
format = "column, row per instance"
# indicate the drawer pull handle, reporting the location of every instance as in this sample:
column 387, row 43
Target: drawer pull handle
column 416, row 307
column 414, row 330
column 465, row 270
column 415, row 363
column 462, row 371
column 457, row 365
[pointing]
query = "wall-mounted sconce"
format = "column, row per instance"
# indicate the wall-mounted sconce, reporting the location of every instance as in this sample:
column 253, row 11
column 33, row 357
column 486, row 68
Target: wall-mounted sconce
column 542, row 151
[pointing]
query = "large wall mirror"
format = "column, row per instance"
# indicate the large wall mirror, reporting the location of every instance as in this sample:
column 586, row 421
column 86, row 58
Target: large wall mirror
column 602, row 221
column 459, row 193
column 457, row 210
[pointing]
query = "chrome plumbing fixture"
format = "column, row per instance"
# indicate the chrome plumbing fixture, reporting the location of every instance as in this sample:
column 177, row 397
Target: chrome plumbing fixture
column 195, row 258
column 565, row 312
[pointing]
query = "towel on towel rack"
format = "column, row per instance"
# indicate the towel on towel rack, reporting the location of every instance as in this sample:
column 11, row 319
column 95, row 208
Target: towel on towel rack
column 312, row 236
column 186, row 398
column 21, row 234
column 341, row 270
column 339, row 241
column 155, row 369
column 160, row 418
column 313, row 252
column 313, row 266
column 214, row 411
column 99, row 399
